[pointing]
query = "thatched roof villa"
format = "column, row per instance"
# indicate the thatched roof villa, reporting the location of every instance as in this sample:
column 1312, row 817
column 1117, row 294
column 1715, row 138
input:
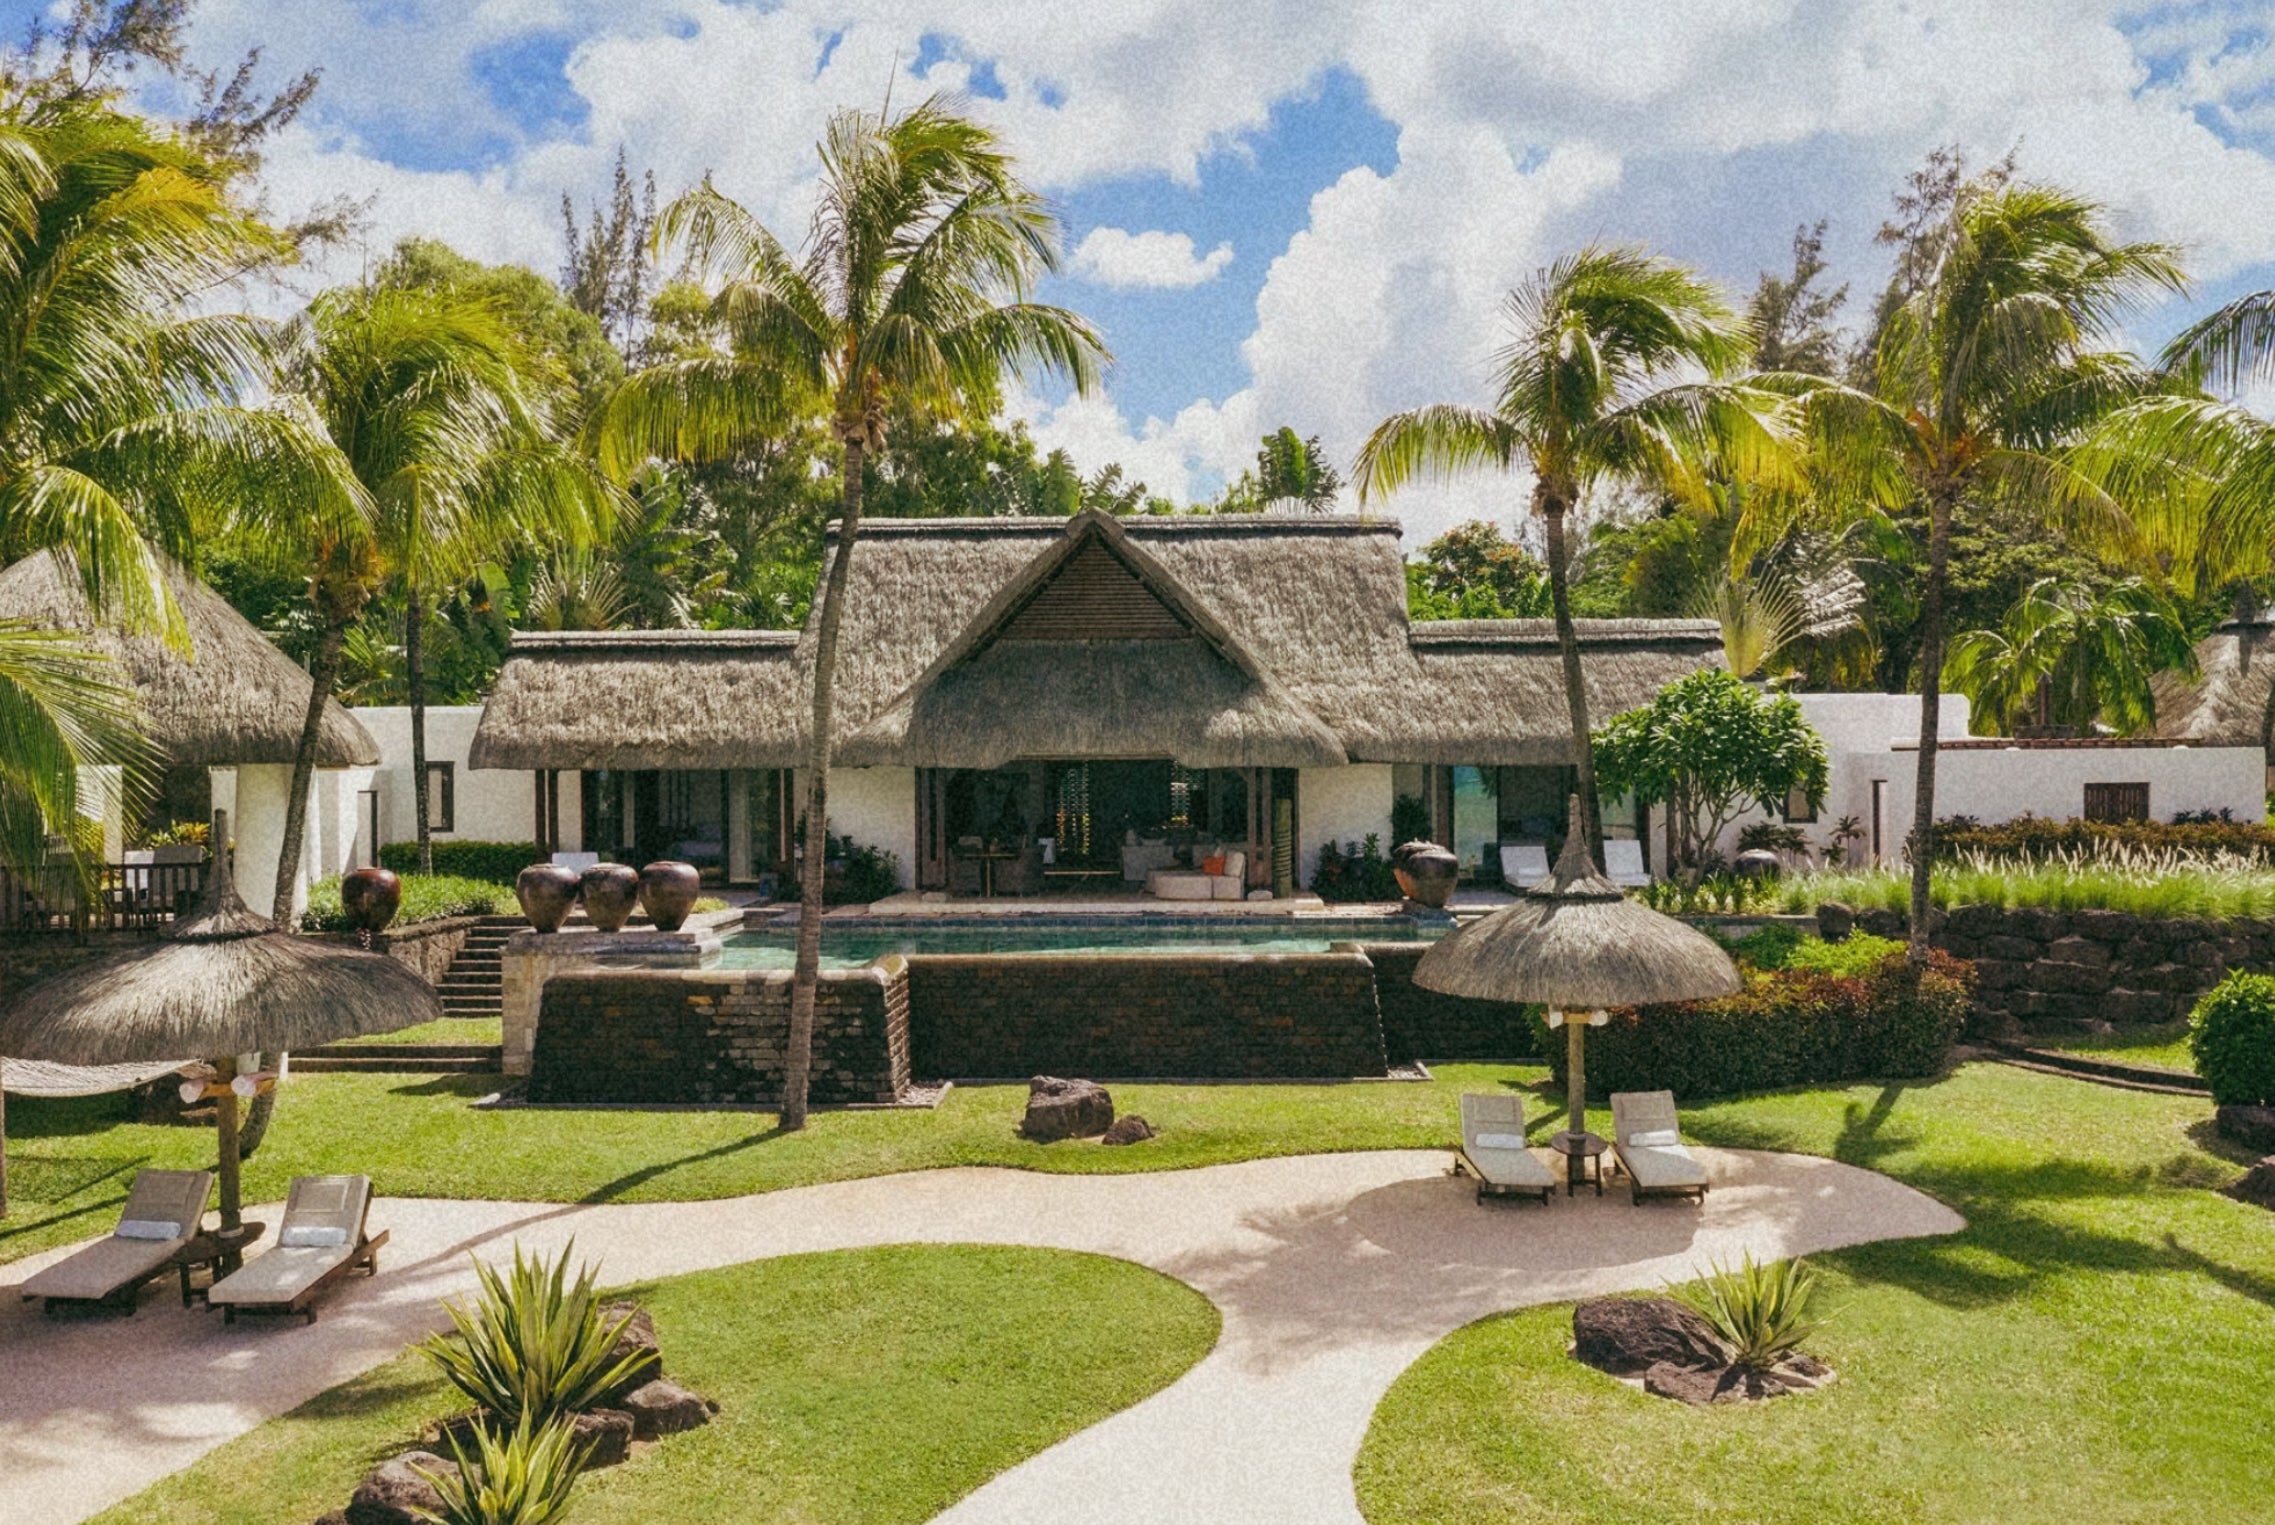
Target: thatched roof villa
column 1006, row 681
column 2234, row 704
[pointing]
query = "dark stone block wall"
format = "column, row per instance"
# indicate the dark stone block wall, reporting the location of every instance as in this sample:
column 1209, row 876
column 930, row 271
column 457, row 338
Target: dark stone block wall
column 1424, row 1025
column 1225, row 1016
column 426, row 946
column 2052, row 969
column 717, row 1035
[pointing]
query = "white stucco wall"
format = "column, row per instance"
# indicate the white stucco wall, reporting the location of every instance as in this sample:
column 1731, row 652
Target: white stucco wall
column 1873, row 738
column 876, row 807
column 1341, row 805
column 489, row 804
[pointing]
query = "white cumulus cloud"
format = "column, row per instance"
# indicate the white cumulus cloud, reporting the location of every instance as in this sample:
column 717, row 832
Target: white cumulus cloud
column 1117, row 257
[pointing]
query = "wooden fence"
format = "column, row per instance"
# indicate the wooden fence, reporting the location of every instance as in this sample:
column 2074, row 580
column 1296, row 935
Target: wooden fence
column 139, row 892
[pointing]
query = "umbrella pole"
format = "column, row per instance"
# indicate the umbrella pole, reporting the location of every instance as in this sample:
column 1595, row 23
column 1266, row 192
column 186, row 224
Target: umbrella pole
column 1576, row 1094
column 225, row 1131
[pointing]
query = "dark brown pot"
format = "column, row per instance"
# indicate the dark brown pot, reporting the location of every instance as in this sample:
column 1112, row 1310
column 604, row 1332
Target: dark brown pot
column 371, row 897
column 667, row 893
column 611, row 890
column 548, row 893
column 1426, row 873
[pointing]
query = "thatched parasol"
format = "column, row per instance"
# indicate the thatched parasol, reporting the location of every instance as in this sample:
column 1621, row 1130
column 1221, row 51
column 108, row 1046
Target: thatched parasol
column 224, row 982
column 1576, row 944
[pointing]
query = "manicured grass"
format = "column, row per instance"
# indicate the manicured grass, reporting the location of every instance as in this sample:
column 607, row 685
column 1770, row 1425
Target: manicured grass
column 864, row 1386
column 2097, row 1346
column 489, row 1030
column 2164, row 1045
column 417, row 1136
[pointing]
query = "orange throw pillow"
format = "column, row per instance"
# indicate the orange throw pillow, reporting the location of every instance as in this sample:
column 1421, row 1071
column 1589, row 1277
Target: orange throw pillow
column 1213, row 865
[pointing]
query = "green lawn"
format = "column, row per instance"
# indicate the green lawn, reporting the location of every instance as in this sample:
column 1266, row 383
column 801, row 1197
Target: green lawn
column 863, row 1387
column 2165, row 1045
column 72, row 1161
column 448, row 1030
column 2098, row 1346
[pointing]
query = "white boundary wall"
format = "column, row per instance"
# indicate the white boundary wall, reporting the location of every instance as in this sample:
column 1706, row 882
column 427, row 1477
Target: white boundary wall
column 876, row 807
column 1341, row 805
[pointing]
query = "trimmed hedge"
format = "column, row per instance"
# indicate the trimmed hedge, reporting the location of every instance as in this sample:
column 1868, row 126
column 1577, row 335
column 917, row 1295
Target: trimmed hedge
column 496, row 862
column 2232, row 1034
column 2027, row 838
column 425, row 898
column 1786, row 1028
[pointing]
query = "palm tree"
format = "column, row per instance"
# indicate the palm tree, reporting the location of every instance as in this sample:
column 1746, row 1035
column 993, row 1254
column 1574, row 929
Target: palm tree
column 1988, row 375
column 65, row 725
column 427, row 394
column 2067, row 655
column 1610, row 373
column 912, row 288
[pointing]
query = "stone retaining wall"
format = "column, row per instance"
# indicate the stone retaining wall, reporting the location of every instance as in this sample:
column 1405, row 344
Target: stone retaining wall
column 2080, row 968
column 1248, row 1015
column 717, row 1035
column 426, row 946
column 1420, row 1024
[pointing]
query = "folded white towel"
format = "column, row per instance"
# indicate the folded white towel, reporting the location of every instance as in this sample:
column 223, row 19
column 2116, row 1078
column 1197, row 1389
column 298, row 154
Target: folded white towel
column 147, row 1228
column 1655, row 1138
column 313, row 1236
column 1500, row 1141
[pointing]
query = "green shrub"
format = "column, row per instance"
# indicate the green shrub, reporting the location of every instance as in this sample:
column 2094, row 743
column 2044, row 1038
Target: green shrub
column 498, row 862
column 1770, row 947
column 857, row 874
column 1356, row 871
column 2232, row 1034
column 426, row 897
column 1860, row 954
column 522, row 1479
column 1760, row 1311
column 1409, row 820
column 532, row 1348
column 1786, row 1028
column 2030, row 838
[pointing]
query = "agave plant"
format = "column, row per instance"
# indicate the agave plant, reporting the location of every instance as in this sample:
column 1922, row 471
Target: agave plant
column 1760, row 1311
column 523, row 1479
column 532, row 1348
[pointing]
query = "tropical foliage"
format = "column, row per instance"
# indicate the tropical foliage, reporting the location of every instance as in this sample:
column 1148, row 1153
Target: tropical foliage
column 523, row 1477
column 2065, row 656
column 1473, row 572
column 1759, row 1312
column 1610, row 374
column 532, row 1347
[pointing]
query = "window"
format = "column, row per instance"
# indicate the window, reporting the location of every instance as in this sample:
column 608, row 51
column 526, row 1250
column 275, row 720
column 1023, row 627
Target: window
column 441, row 806
column 1798, row 810
column 2116, row 802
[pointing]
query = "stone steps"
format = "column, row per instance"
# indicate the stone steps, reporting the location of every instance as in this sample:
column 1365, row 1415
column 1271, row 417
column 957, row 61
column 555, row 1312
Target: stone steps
column 474, row 985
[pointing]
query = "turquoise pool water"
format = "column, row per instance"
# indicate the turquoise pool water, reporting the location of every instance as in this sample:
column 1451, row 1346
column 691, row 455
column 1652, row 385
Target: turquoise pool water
column 850, row 948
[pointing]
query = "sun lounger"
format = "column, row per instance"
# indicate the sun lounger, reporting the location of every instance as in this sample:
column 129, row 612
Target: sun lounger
column 1524, row 864
column 1623, row 863
column 1647, row 1139
column 1493, row 1148
column 322, row 1240
column 161, row 1217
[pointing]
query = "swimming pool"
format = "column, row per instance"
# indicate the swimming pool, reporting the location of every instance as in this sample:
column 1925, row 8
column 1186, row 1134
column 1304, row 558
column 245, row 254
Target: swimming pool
column 850, row 947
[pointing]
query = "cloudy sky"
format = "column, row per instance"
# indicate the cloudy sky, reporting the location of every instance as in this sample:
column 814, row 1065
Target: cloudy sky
column 1298, row 211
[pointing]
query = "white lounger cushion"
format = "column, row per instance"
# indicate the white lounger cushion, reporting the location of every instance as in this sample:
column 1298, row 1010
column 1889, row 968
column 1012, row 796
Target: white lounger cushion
column 323, row 1222
column 1524, row 863
column 1493, row 1141
column 167, row 1205
column 1623, row 862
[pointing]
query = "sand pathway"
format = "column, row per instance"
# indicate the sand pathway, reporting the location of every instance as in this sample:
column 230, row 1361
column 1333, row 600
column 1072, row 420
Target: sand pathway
column 1333, row 1273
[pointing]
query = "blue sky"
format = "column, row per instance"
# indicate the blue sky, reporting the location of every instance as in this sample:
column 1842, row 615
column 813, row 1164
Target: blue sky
column 1289, row 212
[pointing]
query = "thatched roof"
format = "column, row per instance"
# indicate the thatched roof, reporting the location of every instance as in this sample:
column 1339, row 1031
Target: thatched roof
column 1575, row 942
column 225, row 981
column 1218, row 640
column 2229, row 706
column 232, row 698
column 645, row 699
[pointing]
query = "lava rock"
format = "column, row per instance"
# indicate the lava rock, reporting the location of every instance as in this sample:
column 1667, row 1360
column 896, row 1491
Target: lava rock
column 1835, row 921
column 2253, row 1127
column 1882, row 923
column 394, row 1491
column 2258, row 1185
column 1061, row 1109
column 638, row 1338
column 1628, row 1335
column 666, row 1408
column 336, row 1517
column 1685, row 1384
column 1132, row 1129
column 605, row 1433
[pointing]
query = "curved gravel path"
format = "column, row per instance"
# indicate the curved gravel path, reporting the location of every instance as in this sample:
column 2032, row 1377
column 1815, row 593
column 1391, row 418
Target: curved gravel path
column 1333, row 1273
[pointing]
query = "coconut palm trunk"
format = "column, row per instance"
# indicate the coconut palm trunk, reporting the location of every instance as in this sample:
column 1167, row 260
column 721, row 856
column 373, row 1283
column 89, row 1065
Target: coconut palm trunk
column 415, row 671
column 323, row 671
column 805, row 975
column 1553, row 509
column 1922, row 844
